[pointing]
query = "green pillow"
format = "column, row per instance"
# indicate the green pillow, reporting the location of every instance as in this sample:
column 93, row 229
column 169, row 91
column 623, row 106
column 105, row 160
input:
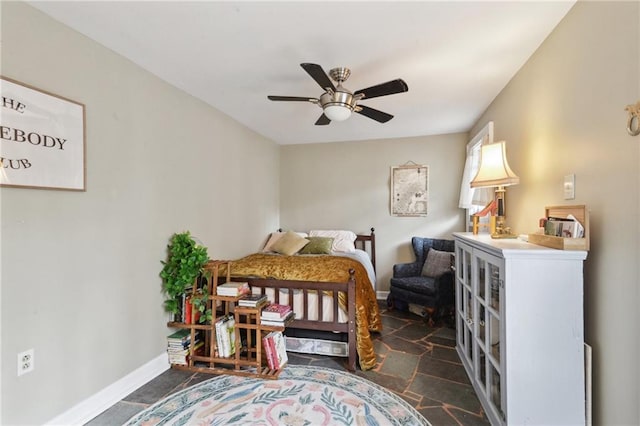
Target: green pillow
column 318, row 245
column 290, row 243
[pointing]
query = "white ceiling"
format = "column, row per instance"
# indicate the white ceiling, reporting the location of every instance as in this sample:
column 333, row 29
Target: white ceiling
column 454, row 56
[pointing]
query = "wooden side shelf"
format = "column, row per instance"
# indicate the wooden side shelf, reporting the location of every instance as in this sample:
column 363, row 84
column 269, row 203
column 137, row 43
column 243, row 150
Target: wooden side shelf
column 248, row 358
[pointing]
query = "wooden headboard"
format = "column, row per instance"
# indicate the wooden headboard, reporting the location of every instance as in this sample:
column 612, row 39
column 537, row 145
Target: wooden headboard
column 366, row 243
column 361, row 243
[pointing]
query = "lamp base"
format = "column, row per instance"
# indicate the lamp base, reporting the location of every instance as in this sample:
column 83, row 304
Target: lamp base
column 502, row 231
column 503, row 235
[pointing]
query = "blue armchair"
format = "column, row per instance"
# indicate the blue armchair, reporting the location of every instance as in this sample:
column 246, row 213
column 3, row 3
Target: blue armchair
column 425, row 286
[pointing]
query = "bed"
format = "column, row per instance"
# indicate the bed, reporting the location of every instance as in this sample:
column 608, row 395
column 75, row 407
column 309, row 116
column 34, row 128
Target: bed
column 348, row 309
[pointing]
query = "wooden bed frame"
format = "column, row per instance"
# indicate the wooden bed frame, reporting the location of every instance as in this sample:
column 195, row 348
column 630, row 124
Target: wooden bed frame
column 333, row 289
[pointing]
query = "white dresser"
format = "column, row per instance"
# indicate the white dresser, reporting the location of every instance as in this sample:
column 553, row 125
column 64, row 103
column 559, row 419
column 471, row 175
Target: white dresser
column 520, row 329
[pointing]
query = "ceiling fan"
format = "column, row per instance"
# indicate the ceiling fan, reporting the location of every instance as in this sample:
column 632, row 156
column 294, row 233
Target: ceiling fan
column 337, row 102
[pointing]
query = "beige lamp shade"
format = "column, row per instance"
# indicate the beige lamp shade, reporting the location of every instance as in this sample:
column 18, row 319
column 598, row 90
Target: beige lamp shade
column 494, row 169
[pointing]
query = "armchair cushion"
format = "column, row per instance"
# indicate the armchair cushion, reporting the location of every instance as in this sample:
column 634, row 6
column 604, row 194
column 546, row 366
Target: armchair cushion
column 419, row 285
column 437, row 263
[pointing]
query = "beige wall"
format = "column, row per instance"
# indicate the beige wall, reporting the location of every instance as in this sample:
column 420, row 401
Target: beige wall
column 80, row 270
column 346, row 186
column 563, row 113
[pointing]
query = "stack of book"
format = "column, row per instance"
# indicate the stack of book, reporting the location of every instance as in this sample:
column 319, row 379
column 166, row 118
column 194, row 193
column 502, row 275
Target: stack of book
column 233, row 289
column 276, row 315
column 179, row 344
column 187, row 309
column 253, row 300
column 226, row 336
column 275, row 350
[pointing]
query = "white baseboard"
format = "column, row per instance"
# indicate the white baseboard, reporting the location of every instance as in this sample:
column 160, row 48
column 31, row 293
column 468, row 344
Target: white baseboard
column 99, row 402
column 107, row 397
column 382, row 295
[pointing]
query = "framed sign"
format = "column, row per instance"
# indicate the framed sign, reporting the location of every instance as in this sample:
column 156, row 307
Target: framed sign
column 409, row 190
column 42, row 139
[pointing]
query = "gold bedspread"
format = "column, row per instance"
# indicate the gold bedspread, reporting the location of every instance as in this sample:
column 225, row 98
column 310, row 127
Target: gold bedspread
column 321, row 269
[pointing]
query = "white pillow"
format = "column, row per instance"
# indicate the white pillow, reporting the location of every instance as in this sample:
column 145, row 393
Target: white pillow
column 343, row 241
column 274, row 237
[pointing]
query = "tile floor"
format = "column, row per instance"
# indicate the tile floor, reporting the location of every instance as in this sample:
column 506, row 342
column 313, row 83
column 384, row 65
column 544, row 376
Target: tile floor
column 415, row 361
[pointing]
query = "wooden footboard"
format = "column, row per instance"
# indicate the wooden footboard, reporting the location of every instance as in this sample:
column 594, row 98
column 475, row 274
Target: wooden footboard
column 327, row 288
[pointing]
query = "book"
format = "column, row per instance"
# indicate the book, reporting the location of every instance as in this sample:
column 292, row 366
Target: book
column 183, row 305
column 275, row 350
column 226, row 336
column 253, row 300
column 279, row 350
column 173, row 345
column 275, row 311
column 267, row 346
column 278, row 322
column 189, row 312
column 221, row 333
column 179, row 345
column 233, row 288
column 182, row 357
column 180, row 335
column 231, row 336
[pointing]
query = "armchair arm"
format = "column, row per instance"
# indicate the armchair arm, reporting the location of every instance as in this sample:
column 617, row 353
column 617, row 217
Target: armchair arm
column 402, row 270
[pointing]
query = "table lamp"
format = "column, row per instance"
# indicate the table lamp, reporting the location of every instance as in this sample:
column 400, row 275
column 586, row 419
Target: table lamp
column 494, row 171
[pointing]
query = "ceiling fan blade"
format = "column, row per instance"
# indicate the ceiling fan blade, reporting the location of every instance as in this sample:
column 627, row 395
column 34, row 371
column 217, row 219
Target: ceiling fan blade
column 291, row 98
column 374, row 114
column 389, row 88
column 323, row 120
column 317, row 73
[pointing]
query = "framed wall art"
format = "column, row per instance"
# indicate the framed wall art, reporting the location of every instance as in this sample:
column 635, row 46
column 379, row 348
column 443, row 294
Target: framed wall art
column 42, row 139
column 409, row 190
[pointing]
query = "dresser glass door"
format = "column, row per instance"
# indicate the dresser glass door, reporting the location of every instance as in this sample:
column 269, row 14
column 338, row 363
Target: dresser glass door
column 464, row 302
column 488, row 305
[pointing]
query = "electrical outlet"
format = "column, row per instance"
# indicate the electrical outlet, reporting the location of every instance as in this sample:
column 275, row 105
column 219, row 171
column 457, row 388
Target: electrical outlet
column 26, row 362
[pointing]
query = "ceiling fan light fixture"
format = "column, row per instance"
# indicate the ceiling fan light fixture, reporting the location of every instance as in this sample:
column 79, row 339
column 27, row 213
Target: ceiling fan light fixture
column 337, row 112
column 337, row 102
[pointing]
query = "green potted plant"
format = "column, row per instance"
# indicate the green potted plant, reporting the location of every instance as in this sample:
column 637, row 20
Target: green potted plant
column 185, row 260
column 199, row 302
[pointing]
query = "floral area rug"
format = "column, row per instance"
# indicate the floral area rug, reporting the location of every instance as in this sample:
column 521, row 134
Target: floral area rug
column 300, row 396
